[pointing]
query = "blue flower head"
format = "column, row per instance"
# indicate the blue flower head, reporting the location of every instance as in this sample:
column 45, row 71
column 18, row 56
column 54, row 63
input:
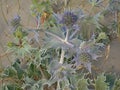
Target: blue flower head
column 69, row 18
column 16, row 21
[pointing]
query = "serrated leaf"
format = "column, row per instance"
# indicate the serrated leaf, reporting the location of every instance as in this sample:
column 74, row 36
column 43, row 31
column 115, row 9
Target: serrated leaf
column 29, row 81
column 110, row 78
column 88, row 66
column 33, row 71
column 9, row 72
column 65, row 85
column 17, row 67
column 52, row 43
column 11, row 87
column 116, row 85
column 100, row 83
column 102, row 35
column 82, row 84
column 57, row 31
column 76, row 41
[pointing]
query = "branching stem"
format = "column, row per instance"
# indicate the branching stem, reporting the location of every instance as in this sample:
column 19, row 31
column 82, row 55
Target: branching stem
column 60, row 39
column 63, row 51
column 62, row 56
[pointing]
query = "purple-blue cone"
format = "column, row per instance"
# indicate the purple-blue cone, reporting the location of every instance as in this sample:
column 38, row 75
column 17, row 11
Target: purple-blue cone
column 69, row 18
column 16, row 21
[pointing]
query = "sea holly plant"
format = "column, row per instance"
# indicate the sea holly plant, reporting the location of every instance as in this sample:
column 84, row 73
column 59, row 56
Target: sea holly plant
column 63, row 34
column 64, row 58
column 20, row 45
column 80, row 53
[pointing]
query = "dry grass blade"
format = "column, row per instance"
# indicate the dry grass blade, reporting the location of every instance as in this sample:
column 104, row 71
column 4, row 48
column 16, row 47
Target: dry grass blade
column 107, row 52
column 4, row 17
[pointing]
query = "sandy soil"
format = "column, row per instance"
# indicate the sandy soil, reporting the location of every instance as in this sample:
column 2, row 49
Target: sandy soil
column 113, row 62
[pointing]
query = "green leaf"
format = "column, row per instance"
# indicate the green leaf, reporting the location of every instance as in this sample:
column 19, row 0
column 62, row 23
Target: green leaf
column 55, row 30
column 102, row 35
column 38, row 7
column 82, row 84
column 65, row 85
column 35, row 1
column 110, row 78
column 100, row 83
column 33, row 85
column 76, row 42
column 9, row 72
column 17, row 67
column 29, row 81
column 11, row 87
column 116, row 85
column 52, row 42
column 33, row 71
column 39, row 85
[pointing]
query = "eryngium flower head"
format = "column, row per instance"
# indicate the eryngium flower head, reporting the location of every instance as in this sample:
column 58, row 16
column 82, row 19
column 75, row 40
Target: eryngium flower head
column 85, row 57
column 16, row 21
column 69, row 18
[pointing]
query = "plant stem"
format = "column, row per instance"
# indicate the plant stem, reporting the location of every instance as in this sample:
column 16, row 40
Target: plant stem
column 63, row 51
column 67, row 35
column 58, row 85
column 62, row 56
column 60, row 39
column 74, row 33
column 43, row 76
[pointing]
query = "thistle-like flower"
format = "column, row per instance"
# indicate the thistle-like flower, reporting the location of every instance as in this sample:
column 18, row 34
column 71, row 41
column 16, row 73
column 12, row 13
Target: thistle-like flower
column 16, row 21
column 69, row 18
column 85, row 57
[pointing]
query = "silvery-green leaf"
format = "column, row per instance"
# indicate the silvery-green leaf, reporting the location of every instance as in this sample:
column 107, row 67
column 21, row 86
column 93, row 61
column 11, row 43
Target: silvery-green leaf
column 9, row 72
column 100, row 83
column 95, row 56
column 20, row 71
column 76, row 42
column 82, row 84
column 88, row 66
column 102, row 35
column 54, row 65
column 87, row 44
column 65, row 84
column 29, row 80
column 57, row 31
